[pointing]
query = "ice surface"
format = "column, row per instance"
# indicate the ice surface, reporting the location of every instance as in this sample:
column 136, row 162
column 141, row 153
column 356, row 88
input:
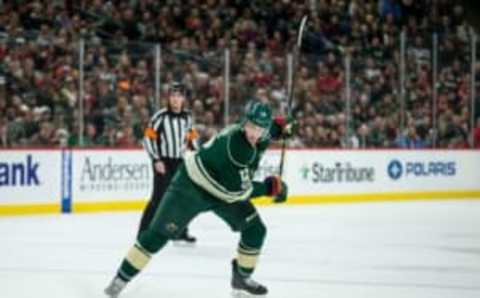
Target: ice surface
column 407, row 249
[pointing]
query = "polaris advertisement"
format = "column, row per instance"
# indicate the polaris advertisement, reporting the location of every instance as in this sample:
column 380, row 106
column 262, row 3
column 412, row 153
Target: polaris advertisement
column 408, row 169
column 431, row 170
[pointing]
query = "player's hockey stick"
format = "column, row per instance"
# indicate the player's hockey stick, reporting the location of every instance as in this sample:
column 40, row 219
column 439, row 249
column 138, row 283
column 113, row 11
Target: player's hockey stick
column 295, row 61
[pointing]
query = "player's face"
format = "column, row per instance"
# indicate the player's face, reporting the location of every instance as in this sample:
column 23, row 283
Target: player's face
column 253, row 132
column 176, row 101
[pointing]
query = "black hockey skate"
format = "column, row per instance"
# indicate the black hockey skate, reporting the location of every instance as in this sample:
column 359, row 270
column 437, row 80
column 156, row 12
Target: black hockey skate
column 185, row 238
column 243, row 287
column 115, row 287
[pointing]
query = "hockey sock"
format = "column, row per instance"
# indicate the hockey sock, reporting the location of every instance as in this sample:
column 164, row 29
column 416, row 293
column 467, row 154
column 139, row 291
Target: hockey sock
column 137, row 258
column 140, row 254
column 249, row 247
column 246, row 259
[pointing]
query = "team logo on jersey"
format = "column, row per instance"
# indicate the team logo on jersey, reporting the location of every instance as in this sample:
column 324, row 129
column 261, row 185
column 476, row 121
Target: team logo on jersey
column 171, row 227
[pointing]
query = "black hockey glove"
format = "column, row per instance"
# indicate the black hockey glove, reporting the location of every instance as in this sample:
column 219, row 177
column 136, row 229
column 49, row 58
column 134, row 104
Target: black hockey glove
column 276, row 188
column 282, row 196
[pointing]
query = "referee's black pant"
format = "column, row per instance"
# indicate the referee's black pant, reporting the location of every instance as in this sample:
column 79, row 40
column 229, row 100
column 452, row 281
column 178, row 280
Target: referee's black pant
column 160, row 184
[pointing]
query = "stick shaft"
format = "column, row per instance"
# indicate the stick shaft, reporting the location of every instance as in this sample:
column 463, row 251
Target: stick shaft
column 295, row 60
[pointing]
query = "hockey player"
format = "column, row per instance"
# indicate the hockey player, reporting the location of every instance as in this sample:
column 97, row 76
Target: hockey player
column 217, row 178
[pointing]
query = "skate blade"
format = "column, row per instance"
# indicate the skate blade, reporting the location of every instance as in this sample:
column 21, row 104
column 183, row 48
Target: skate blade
column 180, row 243
column 244, row 294
column 110, row 294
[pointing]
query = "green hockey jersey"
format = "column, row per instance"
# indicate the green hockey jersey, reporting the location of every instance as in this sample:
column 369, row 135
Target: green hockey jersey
column 225, row 165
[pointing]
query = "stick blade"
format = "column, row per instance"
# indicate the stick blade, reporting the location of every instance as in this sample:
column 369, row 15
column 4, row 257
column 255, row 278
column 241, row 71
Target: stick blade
column 301, row 29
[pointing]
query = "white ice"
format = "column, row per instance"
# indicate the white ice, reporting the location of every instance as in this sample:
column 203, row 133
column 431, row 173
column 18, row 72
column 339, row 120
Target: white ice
column 407, row 249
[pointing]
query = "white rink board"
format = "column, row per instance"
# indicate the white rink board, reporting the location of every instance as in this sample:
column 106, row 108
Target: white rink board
column 30, row 177
column 126, row 175
column 317, row 172
column 111, row 175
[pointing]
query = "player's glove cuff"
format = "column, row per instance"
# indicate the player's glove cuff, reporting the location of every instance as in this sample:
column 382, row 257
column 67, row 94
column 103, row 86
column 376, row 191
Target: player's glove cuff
column 274, row 185
column 287, row 125
column 282, row 196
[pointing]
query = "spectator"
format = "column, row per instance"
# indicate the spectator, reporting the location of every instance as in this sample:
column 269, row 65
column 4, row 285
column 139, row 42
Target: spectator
column 45, row 136
column 410, row 139
column 376, row 137
column 39, row 67
column 91, row 135
column 476, row 138
column 363, row 132
column 126, row 138
column 4, row 141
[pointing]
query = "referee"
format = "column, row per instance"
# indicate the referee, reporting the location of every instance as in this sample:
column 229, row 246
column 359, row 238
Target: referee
column 169, row 134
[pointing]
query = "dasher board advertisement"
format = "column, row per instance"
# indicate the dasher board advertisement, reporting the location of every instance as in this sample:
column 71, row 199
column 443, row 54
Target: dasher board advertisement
column 30, row 177
column 107, row 175
column 319, row 172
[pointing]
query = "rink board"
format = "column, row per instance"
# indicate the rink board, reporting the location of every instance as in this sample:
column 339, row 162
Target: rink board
column 30, row 181
column 125, row 175
column 53, row 181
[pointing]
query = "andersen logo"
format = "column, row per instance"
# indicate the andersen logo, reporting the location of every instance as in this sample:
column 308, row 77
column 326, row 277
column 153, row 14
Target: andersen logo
column 339, row 172
column 110, row 175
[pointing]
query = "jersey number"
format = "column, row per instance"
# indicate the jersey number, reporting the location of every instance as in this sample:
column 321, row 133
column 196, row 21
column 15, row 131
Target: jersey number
column 245, row 176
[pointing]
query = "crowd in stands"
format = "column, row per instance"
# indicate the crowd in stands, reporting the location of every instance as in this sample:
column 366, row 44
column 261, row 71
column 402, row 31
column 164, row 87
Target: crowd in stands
column 40, row 77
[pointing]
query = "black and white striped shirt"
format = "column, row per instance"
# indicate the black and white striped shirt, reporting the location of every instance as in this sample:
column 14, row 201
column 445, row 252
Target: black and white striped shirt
column 166, row 136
